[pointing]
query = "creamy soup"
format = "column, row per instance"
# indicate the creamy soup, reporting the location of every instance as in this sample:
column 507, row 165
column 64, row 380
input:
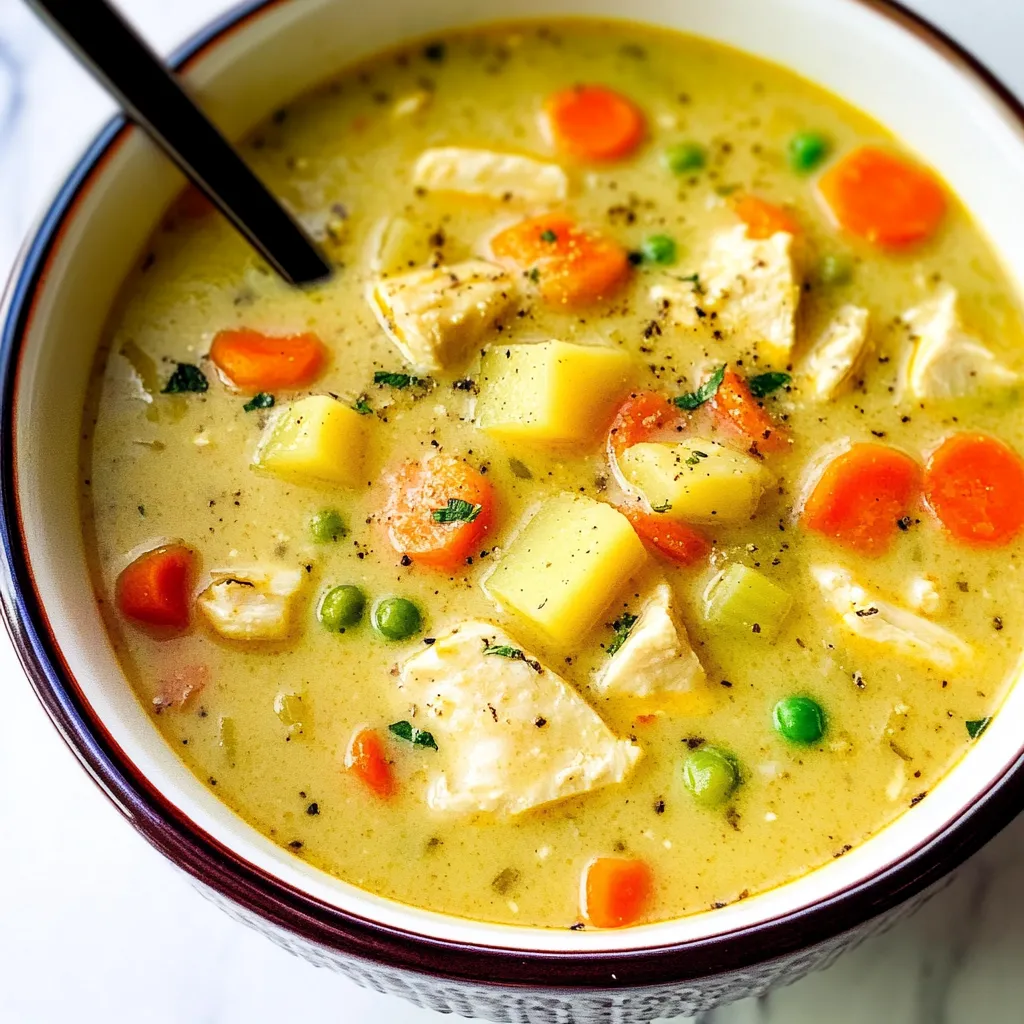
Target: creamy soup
column 632, row 522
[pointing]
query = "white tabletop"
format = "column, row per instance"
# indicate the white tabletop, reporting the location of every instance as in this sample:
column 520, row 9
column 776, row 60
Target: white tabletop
column 96, row 927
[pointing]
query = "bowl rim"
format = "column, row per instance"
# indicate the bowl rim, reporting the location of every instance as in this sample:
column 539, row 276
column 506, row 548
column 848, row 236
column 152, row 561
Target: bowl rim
column 262, row 896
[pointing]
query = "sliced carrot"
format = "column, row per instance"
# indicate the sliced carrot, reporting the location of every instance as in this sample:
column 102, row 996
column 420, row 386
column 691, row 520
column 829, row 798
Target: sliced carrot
column 764, row 219
column 418, row 514
column 883, row 198
column 154, row 589
column 592, row 122
column 639, row 417
column 862, row 495
column 736, row 409
column 616, row 892
column 975, row 486
column 253, row 361
column 675, row 540
column 574, row 266
column 366, row 760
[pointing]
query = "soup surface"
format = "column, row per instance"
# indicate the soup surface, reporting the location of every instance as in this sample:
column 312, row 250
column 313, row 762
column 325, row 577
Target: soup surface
column 675, row 409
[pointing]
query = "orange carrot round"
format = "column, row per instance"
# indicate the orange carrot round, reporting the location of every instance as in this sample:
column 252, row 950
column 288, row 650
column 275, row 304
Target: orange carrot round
column 861, row 496
column 616, row 892
column 675, row 540
column 592, row 122
column 366, row 760
column 573, row 266
column 154, row 589
column 640, row 417
column 438, row 511
column 975, row 486
column 252, row 361
column 883, row 198
column 736, row 409
column 764, row 219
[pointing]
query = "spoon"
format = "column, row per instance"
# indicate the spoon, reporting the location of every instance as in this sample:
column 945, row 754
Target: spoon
column 126, row 67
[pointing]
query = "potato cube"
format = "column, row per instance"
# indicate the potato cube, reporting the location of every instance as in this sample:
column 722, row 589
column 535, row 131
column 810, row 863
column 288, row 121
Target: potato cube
column 566, row 566
column 315, row 438
column 696, row 480
column 550, row 391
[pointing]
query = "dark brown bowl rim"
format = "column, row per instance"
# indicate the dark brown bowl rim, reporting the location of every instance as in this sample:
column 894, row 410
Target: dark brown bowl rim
column 261, row 895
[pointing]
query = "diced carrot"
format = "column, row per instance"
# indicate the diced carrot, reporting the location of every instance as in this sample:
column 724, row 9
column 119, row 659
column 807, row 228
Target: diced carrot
column 365, row 758
column 154, row 589
column 253, row 361
column 421, row 520
column 638, row 418
column 861, row 497
column 573, row 266
column 675, row 540
column 592, row 122
column 764, row 219
column 883, row 198
column 616, row 892
column 975, row 486
column 735, row 408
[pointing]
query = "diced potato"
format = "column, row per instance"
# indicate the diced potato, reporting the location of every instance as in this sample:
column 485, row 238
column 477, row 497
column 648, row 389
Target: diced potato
column 315, row 438
column 746, row 601
column 252, row 603
column 551, row 391
column 436, row 315
column 566, row 565
column 838, row 352
column 483, row 172
column 695, row 480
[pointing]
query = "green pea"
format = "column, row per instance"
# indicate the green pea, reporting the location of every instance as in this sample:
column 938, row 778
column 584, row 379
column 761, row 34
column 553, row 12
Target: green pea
column 327, row 525
column 835, row 268
column 710, row 775
column 341, row 608
column 799, row 719
column 684, row 157
column 659, row 249
column 807, row 150
column 395, row 618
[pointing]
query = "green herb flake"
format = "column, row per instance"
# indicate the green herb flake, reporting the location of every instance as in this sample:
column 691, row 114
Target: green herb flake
column 456, row 511
column 663, row 507
column 533, row 274
column 707, row 390
column 548, row 236
column 260, row 401
column 362, row 406
column 520, row 469
column 384, row 378
column 765, row 383
column 186, row 377
column 408, row 732
column 694, row 279
column 622, row 626
column 976, row 727
column 505, row 651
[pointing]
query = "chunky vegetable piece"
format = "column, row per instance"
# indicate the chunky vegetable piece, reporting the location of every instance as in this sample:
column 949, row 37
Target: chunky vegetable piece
column 799, row 719
column 861, row 496
column 416, row 510
column 550, row 391
column 252, row 361
column 315, row 439
column 669, row 537
column 736, row 409
column 341, row 608
column 616, row 892
column 327, row 526
column 591, row 122
column 255, row 602
column 565, row 566
column 764, row 219
column 482, row 172
column 882, row 197
column 711, row 775
column 744, row 600
column 367, row 761
column 640, row 418
column 511, row 733
column 975, row 486
column 573, row 266
column 154, row 589
column 807, row 150
column 396, row 618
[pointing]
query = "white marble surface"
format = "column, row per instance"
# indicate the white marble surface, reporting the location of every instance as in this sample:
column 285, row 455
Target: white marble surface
column 95, row 926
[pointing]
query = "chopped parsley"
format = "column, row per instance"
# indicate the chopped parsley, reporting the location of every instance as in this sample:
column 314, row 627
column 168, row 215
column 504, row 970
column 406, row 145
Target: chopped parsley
column 384, row 378
column 765, row 383
column 693, row 459
column 505, row 651
column 533, row 274
column 362, row 406
column 186, row 377
column 456, row 511
column 548, row 236
column 977, row 726
column 694, row 279
column 408, row 732
column 622, row 626
column 665, row 506
column 260, row 401
column 707, row 390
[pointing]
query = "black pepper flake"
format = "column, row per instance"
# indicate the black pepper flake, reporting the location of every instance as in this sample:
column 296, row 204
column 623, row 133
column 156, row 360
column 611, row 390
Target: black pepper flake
column 435, row 52
column 694, row 742
column 406, row 561
column 295, row 844
column 313, row 809
column 659, row 806
column 429, row 640
column 997, row 623
column 858, row 681
column 540, row 722
column 904, row 523
column 725, row 683
column 917, row 799
column 577, row 927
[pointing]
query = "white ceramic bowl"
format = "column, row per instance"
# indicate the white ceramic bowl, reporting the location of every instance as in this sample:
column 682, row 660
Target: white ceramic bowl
column 253, row 60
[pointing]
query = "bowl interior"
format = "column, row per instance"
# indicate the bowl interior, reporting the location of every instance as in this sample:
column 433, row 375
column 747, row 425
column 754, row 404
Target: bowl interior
column 932, row 100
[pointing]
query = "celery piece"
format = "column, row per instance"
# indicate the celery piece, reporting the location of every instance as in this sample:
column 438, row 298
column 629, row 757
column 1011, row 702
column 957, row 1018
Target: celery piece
column 289, row 708
column 742, row 599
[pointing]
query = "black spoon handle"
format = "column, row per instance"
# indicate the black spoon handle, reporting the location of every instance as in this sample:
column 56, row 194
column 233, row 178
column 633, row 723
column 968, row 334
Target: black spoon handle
column 135, row 76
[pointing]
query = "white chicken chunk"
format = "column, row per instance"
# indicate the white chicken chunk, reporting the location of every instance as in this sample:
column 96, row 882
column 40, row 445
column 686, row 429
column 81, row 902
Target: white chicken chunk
column 882, row 622
column 752, row 284
column 483, row 172
column 656, row 659
column 435, row 316
column 947, row 361
column 252, row 603
column 838, row 352
column 511, row 733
